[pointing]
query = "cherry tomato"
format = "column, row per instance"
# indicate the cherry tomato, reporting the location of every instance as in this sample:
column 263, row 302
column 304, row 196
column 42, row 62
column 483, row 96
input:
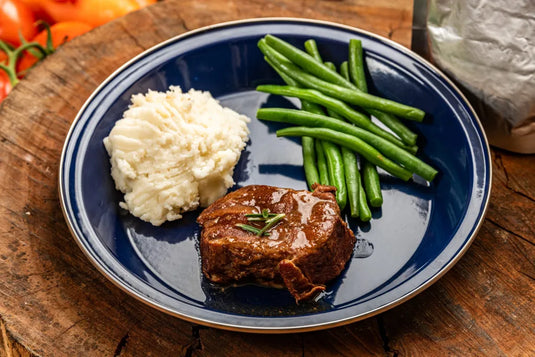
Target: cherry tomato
column 36, row 7
column 14, row 17
column 5, row 85
column 143, row 3
column 61, row 33
column 93, row 12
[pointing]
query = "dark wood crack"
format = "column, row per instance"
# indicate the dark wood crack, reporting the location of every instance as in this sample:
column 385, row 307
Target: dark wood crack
column 509, row 231
column 121, row 345
column 195, row 343
column 384, row 337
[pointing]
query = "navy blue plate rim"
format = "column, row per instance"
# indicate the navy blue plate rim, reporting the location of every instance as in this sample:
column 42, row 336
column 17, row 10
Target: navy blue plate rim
column 255, row 324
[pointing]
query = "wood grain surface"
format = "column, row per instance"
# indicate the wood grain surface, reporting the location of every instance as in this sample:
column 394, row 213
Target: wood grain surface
column 55, row 303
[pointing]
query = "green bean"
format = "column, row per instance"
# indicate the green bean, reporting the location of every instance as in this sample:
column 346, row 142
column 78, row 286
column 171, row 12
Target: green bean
column 331, row 112
column 351, row 142
column 335, row 161
column 356, row 72
column 323, row 172
column 394, row 124
column 311, row 107
column 309, row 155
column 370, row 179
column 390, row 150
column 335, row 165
column 306, row 61
column 334, row 114
column 356, row 69
column 351, row 171
column 349, row 95
column 356, row 181
column 309, row 161
column 330, row 65
column 305, row 105
column 344, row 70
column 350, row 165
column 307, row 144
column 364, row 210
column 310, row 164
column 287, row 79
column 265, row 48
column 337, row 106
column 312, row 48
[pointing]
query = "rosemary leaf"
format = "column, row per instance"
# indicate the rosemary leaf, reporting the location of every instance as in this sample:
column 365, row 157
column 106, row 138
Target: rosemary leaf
column 249, row 228
column 271, row 222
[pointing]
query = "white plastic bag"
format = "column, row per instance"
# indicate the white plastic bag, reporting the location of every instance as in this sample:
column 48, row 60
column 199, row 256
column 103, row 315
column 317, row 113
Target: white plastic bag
column 488, row 47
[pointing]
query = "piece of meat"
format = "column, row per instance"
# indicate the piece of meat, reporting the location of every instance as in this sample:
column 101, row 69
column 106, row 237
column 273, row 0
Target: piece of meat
column 307, row 248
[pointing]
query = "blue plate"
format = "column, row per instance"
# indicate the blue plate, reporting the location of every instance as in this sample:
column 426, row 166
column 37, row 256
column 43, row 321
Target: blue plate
column 419, row 233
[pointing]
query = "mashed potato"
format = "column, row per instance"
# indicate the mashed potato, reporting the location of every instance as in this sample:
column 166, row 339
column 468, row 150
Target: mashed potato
column 174, row 151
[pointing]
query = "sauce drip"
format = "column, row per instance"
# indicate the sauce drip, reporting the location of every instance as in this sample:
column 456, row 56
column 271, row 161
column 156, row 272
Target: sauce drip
column 363, row 248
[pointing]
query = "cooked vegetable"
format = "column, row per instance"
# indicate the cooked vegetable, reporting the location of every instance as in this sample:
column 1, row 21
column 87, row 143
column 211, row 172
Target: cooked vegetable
column 309, row 161
column 265, row 49
column 323, row 171
column 310, row 164
column 339, row 145
column 335, row 105
column 338, row 91
column 394, row 124
column 292, row 116
column 352, row 174
column 311, row 107
column 351, row 142
column 308, row 145
column 370, row 177
column 364, row 210
column 330, row 65
column 356, row 72
column 287, row 79
column 353, row 177
column 312, row 48
column 331, row 112
column 335, row 164
column 344, row 70
column 370, row 181
column 306, row 61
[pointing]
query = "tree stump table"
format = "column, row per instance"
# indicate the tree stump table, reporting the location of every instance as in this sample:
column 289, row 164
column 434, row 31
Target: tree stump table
column 55, row 303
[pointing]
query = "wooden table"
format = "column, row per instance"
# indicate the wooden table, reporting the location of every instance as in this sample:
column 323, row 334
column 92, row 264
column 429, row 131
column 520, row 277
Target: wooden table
column 55, row 303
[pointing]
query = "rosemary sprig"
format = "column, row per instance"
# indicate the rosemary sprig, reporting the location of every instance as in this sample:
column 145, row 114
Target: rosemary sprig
column 269, row 219
column 270, row 223
column 262, row 216
column 249, row 228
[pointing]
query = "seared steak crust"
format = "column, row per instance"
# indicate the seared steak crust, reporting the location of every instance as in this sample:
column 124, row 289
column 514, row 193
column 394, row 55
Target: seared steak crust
column 307, row 248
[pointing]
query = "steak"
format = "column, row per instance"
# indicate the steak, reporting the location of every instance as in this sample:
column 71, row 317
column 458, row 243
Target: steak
column 306, row 249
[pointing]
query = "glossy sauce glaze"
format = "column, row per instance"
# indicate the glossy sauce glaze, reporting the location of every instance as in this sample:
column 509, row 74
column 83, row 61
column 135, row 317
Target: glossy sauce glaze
column 306, row 216
column 308, row 247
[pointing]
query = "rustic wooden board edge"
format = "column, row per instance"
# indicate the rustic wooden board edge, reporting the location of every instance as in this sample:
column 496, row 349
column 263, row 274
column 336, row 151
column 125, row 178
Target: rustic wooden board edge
column 476, row 323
